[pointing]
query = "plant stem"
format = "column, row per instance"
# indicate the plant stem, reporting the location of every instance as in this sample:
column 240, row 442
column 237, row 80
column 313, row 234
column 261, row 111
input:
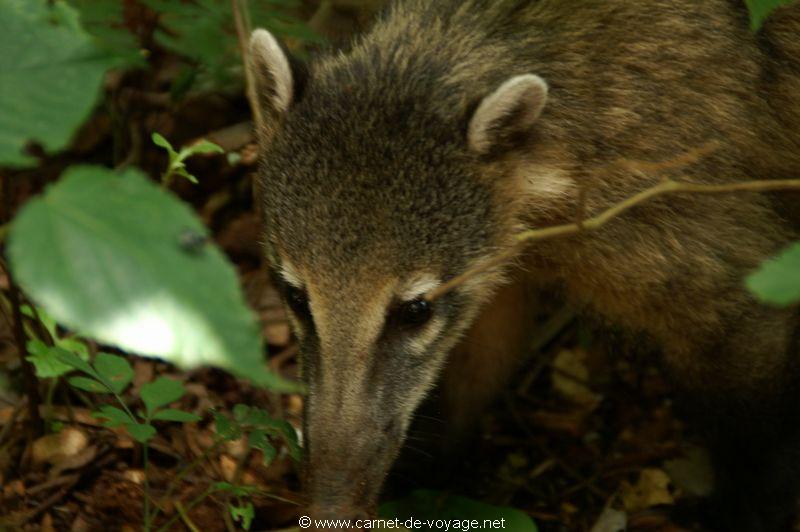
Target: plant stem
column 147, row 519
column 185, row 517
column 185, row 471
column 200, row 498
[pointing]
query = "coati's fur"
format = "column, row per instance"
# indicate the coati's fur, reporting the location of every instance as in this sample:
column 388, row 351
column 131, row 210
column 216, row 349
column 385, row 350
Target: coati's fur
column 455, row 123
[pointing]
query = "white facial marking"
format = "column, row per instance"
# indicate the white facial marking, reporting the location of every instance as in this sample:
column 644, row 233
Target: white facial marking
column 419, row 343
column 417, row 287
column 290, row 275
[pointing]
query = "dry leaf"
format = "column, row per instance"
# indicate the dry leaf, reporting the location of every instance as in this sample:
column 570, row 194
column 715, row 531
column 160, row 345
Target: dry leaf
column 47, row 524
column 571, row 377
column 692, row 473
column 58, row 447
column 651, row 489
column 611, row 520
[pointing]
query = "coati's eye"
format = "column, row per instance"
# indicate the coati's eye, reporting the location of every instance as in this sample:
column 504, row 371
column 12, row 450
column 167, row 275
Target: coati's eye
column 297, row 299
column 414, row 313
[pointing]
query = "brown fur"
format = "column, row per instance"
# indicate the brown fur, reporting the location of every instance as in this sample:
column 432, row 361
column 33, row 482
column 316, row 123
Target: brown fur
column 369, row 181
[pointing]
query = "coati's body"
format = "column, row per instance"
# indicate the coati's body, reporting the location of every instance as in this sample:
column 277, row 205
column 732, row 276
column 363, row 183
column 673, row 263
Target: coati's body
column 422, row 150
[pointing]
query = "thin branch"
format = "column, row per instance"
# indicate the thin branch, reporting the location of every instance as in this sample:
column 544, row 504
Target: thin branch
column 242, row 20
column 665, row 187
column 185, row 517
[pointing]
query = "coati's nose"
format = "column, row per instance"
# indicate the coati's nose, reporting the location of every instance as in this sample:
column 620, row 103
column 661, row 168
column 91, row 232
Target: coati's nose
column 339, row 518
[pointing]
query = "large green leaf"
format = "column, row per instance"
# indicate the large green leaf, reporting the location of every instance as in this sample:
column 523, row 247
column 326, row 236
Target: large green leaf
column 428, row 506
column 50, row 74
column 105, row 21
column 778, row 279
column 102, row 253
column 761, row 9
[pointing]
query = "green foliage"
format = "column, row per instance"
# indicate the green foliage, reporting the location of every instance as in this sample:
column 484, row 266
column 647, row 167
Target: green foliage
column 45, row 358
column 244, row 513
column 260, row 429
column 50, row 75
column 778, row 280
column 204, row 31
column 177, row 165
column 124, row 278
column 761, row 9
column 112, row 374
column 105, row 21
column 428, row 506
column 160, row 392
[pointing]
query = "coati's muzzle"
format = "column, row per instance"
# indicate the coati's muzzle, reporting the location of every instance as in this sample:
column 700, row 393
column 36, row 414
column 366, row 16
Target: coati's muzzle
column 351, row 443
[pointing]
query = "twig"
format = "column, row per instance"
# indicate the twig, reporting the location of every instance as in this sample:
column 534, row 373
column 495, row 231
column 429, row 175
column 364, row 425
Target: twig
column 58, row 481
column 185, row 517
column 241, row 19
column 665, row 187
column 47, row 503
column 182, row 474
column 197, row 500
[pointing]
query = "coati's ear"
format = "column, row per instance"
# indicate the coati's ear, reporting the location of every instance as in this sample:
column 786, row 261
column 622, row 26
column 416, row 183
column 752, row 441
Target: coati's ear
column 273, row 81
column 507, row 113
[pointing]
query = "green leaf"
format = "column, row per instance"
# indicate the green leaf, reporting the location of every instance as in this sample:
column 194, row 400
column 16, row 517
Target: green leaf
column 245, row 514
column 116, row 371
column 238, row 491
column 258, row 439
column 203, row 31
column 114, row 415
column 226, row 428
column 50, row 76
column 160, row 141
column 71, row 359
column 171, row 414
column 89, row 385
column 761, row 9
column 290, row 437
column 778, row 280
column 45, row 360
column 160, row 392
column 124, row 278
column 202, row 146
column 46, row 320
column 73, row 345
column 427, row 505
column 105, row 21
column 141, row 432
column 241, row 413
column 181, row 171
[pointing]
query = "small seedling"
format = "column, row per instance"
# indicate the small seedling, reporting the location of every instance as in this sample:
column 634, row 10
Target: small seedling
column 112, row 374
column 176, row 165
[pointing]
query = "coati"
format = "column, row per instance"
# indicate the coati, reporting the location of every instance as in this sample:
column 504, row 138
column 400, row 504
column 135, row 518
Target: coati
column 452, row 125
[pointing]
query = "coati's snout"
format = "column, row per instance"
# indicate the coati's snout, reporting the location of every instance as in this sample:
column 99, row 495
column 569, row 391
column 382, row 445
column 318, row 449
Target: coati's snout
column 371, row 347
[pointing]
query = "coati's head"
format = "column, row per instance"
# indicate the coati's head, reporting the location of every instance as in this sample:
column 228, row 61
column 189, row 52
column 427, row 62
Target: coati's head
column 380, row 181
